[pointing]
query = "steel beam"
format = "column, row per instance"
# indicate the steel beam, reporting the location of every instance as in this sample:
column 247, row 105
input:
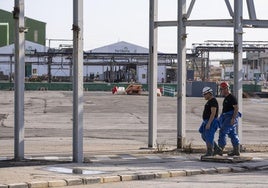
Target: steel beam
column 215, row 23
column 251, row 10
column 18, row 15
column 238, row 58
column 198, row 23
column 229, row 7
column 255, row 23
column 210, row 23
column 152, row 84
column 181, row 75
column 190, row 9
column 78, row 81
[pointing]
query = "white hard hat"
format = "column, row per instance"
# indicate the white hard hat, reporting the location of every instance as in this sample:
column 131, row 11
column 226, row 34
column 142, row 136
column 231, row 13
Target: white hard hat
column 207, row 90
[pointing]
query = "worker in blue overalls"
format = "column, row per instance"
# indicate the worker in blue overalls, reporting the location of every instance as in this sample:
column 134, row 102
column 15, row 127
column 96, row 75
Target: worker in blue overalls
column 229, row 120
column 210, row 122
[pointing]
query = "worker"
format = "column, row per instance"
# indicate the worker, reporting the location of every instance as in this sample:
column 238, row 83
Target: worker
column 229, row 120
column 210, row 122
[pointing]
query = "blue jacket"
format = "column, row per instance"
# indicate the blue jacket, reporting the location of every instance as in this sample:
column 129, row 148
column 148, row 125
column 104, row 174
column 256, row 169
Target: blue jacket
column 226, row 117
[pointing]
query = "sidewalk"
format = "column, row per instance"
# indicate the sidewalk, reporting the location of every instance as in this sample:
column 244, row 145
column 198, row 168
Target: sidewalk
column 55, row 171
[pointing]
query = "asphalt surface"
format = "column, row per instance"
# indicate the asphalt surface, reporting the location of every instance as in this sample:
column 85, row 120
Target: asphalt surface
column 115, row 140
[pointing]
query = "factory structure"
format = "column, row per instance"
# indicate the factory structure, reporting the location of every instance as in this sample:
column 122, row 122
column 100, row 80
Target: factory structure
column 121, row 61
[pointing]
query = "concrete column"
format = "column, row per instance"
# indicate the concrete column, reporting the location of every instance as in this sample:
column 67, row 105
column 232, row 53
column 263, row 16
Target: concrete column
column 78, row 81
column 238, row 58
column 152, row 74
column 18, row 15
column 181, row 75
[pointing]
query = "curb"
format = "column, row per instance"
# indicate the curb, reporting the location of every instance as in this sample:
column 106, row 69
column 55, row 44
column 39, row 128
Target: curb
column 131, row 177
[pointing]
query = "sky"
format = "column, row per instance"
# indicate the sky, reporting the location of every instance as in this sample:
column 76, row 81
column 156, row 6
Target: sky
column 111, row 21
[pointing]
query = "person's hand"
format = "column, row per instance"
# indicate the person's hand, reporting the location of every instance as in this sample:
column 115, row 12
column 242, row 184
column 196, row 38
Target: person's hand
column 207, row 126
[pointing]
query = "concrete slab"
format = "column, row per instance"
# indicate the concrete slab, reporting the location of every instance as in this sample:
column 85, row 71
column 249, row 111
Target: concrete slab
column 114, row 134
column 226, row 159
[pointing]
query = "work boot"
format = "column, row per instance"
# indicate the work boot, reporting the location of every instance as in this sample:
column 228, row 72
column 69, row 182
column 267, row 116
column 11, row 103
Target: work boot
column 235, row 152
column 217, row 150
column 209, row 152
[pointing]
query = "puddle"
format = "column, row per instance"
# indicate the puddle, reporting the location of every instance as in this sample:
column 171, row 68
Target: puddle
column 73, row 171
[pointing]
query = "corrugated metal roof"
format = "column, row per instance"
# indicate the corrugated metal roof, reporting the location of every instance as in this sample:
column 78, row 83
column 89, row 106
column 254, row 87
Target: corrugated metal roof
column 120, row 47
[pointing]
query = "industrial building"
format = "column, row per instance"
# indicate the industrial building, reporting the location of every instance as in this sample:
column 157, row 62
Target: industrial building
column 35, row 35
column 36, row 30
column 121, row 61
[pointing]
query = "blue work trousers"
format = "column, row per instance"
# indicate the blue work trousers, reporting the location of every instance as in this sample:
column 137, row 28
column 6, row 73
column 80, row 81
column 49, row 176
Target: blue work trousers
column 208, row 134
column 227, row 129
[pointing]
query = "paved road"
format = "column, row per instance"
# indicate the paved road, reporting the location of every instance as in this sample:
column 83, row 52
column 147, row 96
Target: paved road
column 112, row 123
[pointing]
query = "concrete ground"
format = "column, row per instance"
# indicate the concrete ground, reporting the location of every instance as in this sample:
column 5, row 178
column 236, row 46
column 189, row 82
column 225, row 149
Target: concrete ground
column 115, row 126
column 112, row 122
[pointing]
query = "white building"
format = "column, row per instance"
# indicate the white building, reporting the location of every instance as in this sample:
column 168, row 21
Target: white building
column 255, row 67
column 7, row 57
column 141, row 71
column 131, row 69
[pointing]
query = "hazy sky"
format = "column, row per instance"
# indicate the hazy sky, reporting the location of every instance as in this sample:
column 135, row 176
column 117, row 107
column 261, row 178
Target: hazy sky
column 110, row 21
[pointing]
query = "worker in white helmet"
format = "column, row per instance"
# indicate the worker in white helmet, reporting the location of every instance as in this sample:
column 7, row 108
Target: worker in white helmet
column 210, row 122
